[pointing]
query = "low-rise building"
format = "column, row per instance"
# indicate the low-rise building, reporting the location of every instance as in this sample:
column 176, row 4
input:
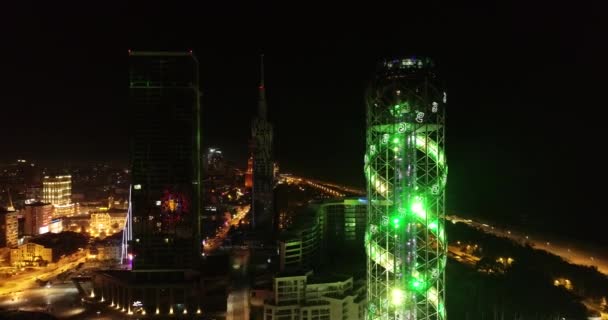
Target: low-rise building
column 107, row 222
column 304, row 296
column 105, row 251
column 31, row 254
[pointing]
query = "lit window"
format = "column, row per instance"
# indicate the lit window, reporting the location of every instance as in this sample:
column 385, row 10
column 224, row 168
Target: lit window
column 137, row 187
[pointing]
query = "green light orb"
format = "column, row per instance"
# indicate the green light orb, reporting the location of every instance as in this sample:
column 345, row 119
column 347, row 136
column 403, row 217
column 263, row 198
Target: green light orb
column 418, row 209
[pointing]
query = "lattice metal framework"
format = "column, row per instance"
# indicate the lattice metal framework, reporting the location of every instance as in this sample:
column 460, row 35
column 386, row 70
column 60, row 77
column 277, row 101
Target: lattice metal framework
column 406, row 172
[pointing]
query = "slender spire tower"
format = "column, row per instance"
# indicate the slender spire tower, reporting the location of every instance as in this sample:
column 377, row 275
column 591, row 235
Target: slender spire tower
column 263, row 179
column 262, row 108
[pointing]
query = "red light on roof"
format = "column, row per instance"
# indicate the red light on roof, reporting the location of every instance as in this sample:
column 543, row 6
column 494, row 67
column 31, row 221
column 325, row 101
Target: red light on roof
column 129, row 51
column 190, row 51
column 261, row 87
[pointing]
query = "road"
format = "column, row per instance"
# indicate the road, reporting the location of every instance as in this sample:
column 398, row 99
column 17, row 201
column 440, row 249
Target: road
column 575, row 253
column 213, row 243
column 28, row 279
column 331, row 189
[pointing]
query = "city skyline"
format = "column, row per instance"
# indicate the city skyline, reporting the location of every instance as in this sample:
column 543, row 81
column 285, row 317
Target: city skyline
column 263, row 161
column 516, row 72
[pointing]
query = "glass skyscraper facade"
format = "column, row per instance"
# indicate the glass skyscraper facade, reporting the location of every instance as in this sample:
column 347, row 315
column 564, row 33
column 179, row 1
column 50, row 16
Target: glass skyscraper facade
column 165, row 131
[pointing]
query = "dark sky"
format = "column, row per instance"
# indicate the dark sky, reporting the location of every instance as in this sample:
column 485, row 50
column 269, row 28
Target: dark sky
column 524, row 81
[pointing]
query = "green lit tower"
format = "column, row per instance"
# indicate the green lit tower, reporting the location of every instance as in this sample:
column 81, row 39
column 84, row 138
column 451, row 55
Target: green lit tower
column 406, row 173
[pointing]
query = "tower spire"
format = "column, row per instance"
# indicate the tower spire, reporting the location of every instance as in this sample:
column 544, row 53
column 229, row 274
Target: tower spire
column 262, row 71
column 262, row 109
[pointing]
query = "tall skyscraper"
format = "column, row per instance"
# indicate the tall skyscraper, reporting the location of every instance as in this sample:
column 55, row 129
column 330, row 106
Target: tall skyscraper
column 57, row 190
column 406, row 172
column 165, row 158
column 165, row 195
column 263, row 167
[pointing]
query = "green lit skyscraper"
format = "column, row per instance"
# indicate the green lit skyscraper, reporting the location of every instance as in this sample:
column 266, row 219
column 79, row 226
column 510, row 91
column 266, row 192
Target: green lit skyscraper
column 406, row 174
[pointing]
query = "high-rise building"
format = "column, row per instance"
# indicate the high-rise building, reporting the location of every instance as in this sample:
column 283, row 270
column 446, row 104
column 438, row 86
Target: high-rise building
column 37, row 218
column 165, row 158
column 342, row 224
column 406, row 172
column 328, row 232
column 9, row 228
column 164, row 213
column 263, row 166
column 299, row 245
column 57, row 190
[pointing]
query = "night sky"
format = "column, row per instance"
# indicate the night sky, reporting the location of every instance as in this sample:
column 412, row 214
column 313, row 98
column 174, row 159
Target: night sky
column 525, row 130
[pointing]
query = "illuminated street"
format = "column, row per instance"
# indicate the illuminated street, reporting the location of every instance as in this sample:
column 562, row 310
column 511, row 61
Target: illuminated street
column 214, row 243
column 571, row 252
column 28, row 279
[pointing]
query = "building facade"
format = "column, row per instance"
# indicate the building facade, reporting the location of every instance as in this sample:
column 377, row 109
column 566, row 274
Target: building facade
column 31, row 254
column 302, row 296
column 342, row 223
column 328, row 231
column 57, row 190
column 164, row 213
column 105, row 252
column 9, row 228
column 37, row 218
column 299, row 247
column 107, row 222
column 165, row 158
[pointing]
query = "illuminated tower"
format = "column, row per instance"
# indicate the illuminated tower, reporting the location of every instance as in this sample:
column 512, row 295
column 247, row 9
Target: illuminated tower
column 249, row 173
column 263, row 179
column 166, row 157
column 406, row 174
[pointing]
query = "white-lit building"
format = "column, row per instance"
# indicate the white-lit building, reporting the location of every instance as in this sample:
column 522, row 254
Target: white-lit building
column 107, row 222
column 31, row 254
column 57, row 190
column 303, row 296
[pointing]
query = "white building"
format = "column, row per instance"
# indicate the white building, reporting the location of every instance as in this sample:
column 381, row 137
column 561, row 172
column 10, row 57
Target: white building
column 307, row 297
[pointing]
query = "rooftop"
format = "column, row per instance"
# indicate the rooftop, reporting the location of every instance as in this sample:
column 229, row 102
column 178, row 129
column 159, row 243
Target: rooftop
column 327, row 278
column 160, row 53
